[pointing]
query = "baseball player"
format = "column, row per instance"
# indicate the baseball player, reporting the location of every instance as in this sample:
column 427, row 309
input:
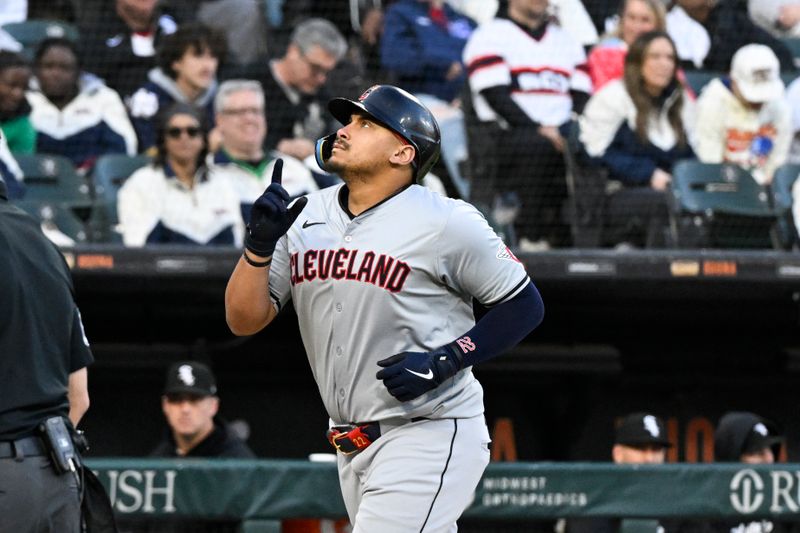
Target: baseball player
column 383, row 274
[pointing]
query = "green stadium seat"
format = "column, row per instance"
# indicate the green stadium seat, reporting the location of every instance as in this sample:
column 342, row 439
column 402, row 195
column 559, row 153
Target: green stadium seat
column 52, row 179
column 109, row 173
column 719, row 206
column 56, row 217
column 788, row 78
column 793, row 44
column 697, row 79
column 55, row 194
column 30, row 33
column 782, row 183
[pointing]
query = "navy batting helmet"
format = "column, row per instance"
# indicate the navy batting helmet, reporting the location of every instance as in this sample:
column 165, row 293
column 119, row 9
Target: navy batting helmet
column 397, row 110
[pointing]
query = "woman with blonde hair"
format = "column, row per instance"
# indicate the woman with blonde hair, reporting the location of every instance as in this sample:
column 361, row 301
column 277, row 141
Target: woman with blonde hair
column 607, row 59
column 636, row 127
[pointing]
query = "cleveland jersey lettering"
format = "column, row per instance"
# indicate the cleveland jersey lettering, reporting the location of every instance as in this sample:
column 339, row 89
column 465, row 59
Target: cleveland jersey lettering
column 367, row 267
column 401, row 276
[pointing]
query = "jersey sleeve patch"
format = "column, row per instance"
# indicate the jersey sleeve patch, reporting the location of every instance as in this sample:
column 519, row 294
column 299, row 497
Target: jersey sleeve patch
column 504, row 252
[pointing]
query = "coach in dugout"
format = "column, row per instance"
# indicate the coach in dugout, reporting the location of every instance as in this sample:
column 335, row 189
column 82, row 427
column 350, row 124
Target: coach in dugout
column 190, row 404
column 43, row 358
column 640, row 438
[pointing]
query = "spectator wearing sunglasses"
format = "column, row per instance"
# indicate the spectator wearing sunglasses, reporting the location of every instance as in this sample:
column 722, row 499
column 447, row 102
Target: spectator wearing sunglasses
column 187, row 69
column 176, row 200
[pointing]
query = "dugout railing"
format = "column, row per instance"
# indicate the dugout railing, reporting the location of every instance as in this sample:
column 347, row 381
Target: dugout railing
column 253, row 496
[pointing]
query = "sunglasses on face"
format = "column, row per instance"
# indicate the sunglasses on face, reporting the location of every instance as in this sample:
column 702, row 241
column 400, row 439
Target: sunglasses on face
column 175, row 132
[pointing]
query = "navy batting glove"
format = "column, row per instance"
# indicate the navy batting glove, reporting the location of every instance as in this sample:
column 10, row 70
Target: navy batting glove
column 270, row 218
column 408, row 375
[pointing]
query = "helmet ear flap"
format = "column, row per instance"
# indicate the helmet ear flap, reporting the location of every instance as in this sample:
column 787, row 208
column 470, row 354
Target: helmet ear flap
column 323, row 149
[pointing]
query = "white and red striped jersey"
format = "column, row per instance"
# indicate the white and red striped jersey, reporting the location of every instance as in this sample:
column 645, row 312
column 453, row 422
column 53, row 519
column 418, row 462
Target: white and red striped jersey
column 541, row 72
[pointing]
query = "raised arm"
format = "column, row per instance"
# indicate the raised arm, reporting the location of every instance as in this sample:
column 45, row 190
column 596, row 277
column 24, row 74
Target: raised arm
column 248, row 308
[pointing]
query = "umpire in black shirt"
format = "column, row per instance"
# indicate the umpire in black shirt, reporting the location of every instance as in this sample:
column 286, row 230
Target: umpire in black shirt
column 43, row 358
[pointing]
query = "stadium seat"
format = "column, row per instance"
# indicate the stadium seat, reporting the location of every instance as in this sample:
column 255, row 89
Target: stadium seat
column 30, row 33
column 586, row 185
column 719, row 206
column 793, row 44
column 52, row 179
column 109, row 173
column 697, row 79
column 55, row 194
column 56, row 218
column 782, row 183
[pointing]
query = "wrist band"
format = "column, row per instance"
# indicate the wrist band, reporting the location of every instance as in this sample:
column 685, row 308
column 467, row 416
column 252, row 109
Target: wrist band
column 257, row 264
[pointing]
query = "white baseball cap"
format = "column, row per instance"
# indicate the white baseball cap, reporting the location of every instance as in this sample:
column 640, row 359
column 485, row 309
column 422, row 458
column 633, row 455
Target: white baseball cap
column 756, row 71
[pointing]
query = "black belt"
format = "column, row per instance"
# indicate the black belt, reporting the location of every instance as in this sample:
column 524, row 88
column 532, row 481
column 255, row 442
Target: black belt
column 22, row 447
column 353, row 438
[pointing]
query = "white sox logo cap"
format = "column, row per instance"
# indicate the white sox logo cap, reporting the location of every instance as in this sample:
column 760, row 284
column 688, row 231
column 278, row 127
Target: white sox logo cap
column 639, row 429
column 190, row 377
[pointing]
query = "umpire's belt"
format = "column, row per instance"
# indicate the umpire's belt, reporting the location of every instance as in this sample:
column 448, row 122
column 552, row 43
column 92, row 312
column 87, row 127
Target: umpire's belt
column 22, row 447
column 353, row 438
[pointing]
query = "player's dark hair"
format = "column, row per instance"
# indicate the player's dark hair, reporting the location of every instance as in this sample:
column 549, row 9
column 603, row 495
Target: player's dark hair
column 194, row 36
column 162, row 121
column 57, row 42
column 643, row 101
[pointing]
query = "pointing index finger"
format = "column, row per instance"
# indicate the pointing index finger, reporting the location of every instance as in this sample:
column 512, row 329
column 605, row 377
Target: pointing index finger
column 277, row 172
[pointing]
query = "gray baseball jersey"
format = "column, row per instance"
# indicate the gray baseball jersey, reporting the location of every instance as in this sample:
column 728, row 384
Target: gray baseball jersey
column 400, row 276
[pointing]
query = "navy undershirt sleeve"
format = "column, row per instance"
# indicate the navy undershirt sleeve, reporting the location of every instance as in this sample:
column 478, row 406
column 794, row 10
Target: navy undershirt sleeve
column 499, row 99
column 501, row 328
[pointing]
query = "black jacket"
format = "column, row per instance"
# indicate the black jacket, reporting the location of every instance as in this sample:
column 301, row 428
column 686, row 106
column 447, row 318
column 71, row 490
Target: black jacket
column 308, row 118
column 730, row 28
column 220, row 443
column 107, row 51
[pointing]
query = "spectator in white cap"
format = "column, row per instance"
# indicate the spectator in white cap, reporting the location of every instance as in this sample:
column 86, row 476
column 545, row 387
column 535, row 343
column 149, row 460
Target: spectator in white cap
column 744, row 118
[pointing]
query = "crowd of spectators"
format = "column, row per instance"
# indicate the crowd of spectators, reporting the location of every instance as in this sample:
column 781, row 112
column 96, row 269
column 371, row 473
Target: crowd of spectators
column 637, row 128
column 516, row 76
column 217, row 91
